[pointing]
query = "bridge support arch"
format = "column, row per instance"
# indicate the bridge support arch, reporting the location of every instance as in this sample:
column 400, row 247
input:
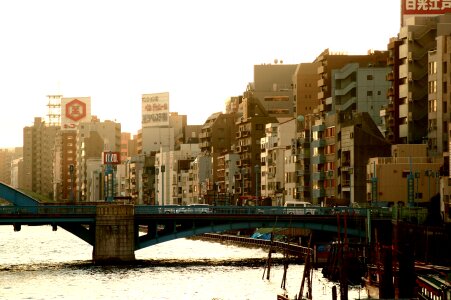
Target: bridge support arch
column 114, row 234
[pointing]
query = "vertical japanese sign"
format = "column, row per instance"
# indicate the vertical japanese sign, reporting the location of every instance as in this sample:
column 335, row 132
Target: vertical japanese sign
column 155, row 110
column 74, row 111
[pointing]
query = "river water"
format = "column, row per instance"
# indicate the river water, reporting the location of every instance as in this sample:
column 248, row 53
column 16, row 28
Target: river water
column 38, row 263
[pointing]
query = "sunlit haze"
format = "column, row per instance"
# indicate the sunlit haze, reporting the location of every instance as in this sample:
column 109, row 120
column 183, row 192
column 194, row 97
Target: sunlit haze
column 201, row 52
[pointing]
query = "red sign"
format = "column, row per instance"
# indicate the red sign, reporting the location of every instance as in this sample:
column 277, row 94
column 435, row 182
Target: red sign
column 428, row 7
column 75, row 110
column 111, row 158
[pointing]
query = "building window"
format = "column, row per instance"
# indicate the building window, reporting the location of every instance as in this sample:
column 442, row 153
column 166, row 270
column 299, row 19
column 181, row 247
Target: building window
column 432, row 87
column 369, row 93
column 369, row 77
column 432, row 105
column 432, row 67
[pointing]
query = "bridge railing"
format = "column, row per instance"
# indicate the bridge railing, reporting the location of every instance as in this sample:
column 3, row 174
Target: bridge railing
column 384, row 212
column 404, row 213
column 48, row 210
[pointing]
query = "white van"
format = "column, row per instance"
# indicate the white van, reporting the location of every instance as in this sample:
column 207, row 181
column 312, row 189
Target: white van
column 299, row 208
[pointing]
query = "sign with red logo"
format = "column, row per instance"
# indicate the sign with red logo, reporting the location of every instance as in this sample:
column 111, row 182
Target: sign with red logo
column 111, row 158
column 75, row 110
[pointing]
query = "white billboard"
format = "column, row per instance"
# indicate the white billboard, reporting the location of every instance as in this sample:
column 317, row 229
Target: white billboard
column 155, row 110
column 74, row 111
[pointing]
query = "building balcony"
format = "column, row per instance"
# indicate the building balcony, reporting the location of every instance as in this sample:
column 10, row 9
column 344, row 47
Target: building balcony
column 390, row 92
column 320, row 143
column 318, row 175
column 318, row 159
column 318, row 193
column 302, row 172
column 302, row 155
column 318, row 128
column 390, row 76
column 302, row 188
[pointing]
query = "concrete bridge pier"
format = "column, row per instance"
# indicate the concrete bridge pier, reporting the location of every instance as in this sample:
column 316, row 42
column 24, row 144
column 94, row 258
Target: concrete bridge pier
column 114, row 234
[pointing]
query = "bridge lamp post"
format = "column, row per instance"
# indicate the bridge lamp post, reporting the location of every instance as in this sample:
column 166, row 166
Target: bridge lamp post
column 162, row 184
column 330, row 173
column 71, row 171
column 157, row 171
column 257, row 173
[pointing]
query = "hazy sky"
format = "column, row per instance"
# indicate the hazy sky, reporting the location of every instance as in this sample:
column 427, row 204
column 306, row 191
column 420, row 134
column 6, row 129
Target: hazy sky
column 200, row 51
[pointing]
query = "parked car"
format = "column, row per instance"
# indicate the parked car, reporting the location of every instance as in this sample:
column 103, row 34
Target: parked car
column 299, row 208
column 170, row 208
column 196, row 209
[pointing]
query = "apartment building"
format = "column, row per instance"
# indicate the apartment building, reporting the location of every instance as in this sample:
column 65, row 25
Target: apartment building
column 439, row 96
column 329, row 61
column 171, row 186
column 416, row 38
column 305, row 88
column 38, row 151
column 217, row 137
column 360, row 89
column 250, row 130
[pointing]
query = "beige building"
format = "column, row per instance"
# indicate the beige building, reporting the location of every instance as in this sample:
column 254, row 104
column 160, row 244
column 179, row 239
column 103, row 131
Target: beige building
column 408, row 176
column 38, row 151
column 6, row 158
column 272, row 86
column 416, row 38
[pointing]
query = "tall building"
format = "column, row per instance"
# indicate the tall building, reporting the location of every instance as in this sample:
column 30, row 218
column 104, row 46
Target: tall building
column 329, row 61
column 38, row 151
column 272, row 86
column 305, row 88
column 416, row 39
column 360, row 89
column 64, row 166
column 439, row 95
